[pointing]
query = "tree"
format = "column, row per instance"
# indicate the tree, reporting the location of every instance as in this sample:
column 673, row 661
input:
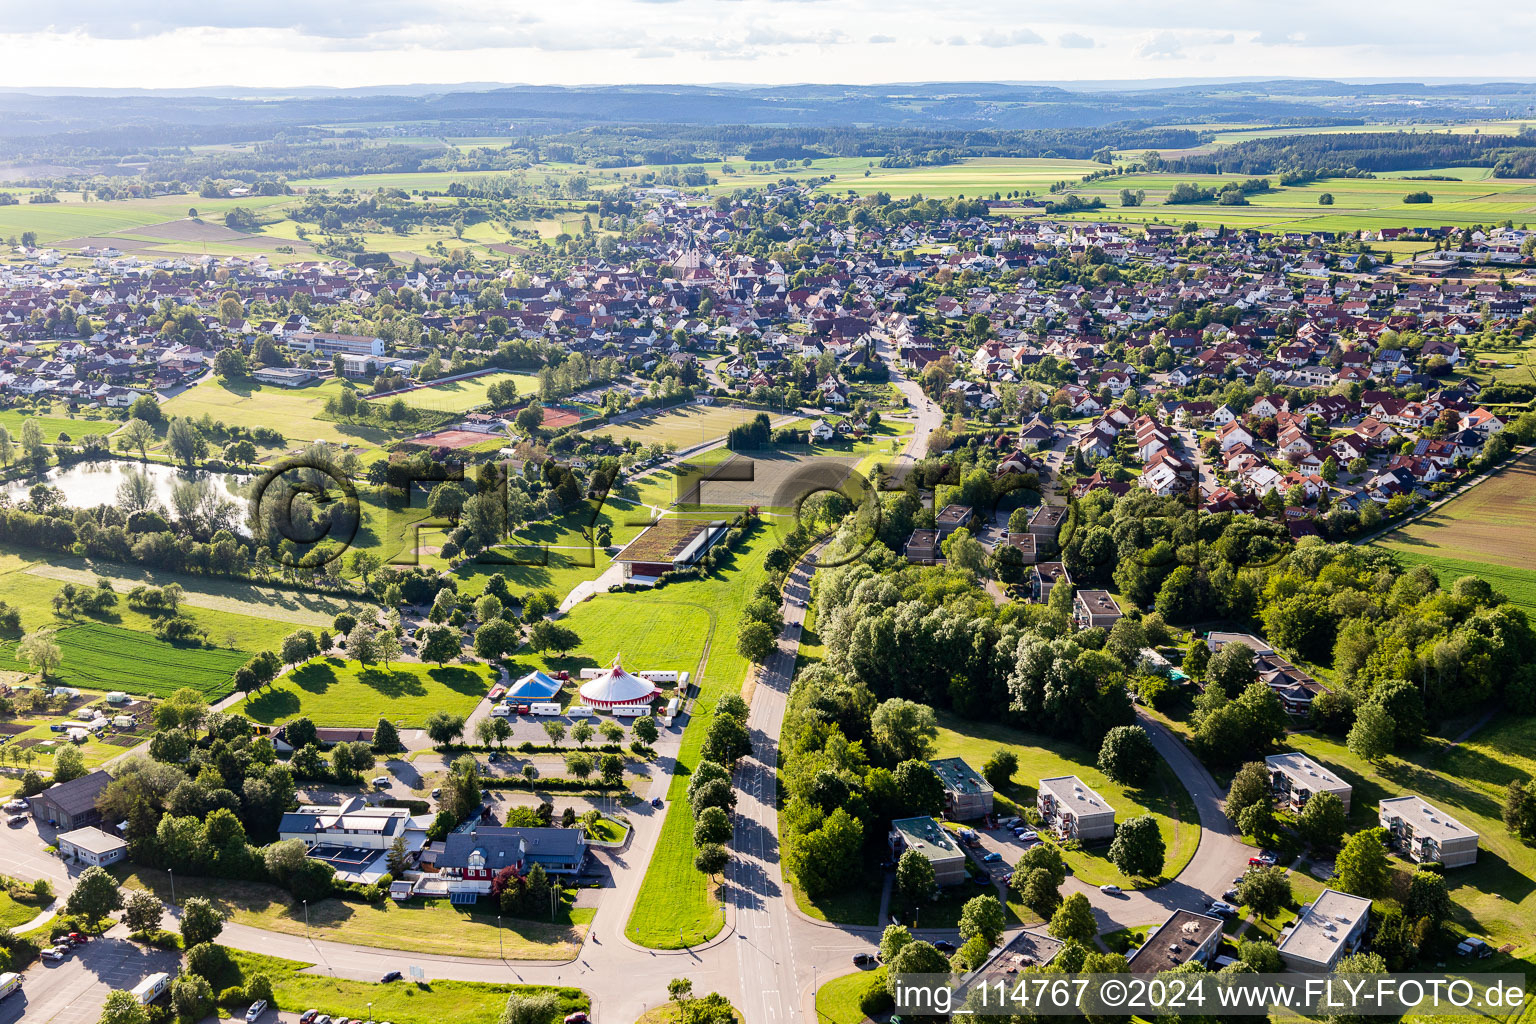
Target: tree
column 441, row 644
column 39, row 650
column 581, row 732
column 999, row 768
column 32, row 441
column 914, row 877
column 755, row 640
column 1137, row 848
column 1266, row 890
column 496, row 639
column 1038, row 891
column 191, row 997
column 893, row 940
column 1520, row 810
column 123, row 1008
column 551, row 636
column 532, row 1008
column 727, row 740
column 713, row 825
column 444, row 728
column 1074, row 919
column 185, row 441
column 904, row 729
column 68, row 764
column 578, row 764
column 1373, row 733
column 201, row 921
column 136, row 435
column 1232, row 669
column 1362, row 866
column 983, row 916
column 964, row 551
column 645, row 729
column 918, row 788
column 141, row 911
column 362, row 642
column 387, row 647
column 555, row 731
column 94, row 896
column 1250, row 786
column 1127, row 755
column 1321, row 821
column 711, row 859
column 386, row 738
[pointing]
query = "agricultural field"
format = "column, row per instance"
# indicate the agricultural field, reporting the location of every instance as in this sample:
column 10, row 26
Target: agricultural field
column 676, row 906
column 972, row 178
column 102, row 657
column 421, row 926
column 1494, row 898
column 72, row 219
column 1164, row 797
column 1484, row 532
column 333, row 691
column 438, row 1002
column 683, row 426
column 464, row 395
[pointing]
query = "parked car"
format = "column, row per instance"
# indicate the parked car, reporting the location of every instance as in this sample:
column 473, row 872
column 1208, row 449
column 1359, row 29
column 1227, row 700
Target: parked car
column 16, row 819
column 52, row 954
column 391, row 976
column 862, row 959
column 944, row 946
column 1258, row 862
column 258, row 1008
column 993, row 856
column 1009, row 822
column 1230, row 895
column 436, row 793
column 324, row 1018
column 308, row 1016
column 657, row 802
column 1268, row 856
column 381, row 780
column 1027, row 834
column 1221, row 908
column 1474, row 947
column 1110, row 889
column 579, row 1017
column 16, row 805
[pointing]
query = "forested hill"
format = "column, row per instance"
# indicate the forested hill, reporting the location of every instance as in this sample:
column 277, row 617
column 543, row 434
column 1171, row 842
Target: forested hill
column 1339, row 153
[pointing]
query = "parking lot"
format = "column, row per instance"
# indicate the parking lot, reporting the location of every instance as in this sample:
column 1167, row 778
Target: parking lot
column 1001, row 842
column 72, row 991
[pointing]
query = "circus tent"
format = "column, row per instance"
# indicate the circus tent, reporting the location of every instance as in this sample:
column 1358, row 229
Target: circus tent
column 615, row 687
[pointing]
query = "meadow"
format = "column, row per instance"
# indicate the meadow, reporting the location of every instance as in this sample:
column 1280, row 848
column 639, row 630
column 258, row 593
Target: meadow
column 337, row 692
column 464, row 395
column 70, row 218
column 1483, row 532
column 294, row 412
column 676, row 906
column 53, row 424
column 684, row 426
column 102, row 657
column 973, row 178
column 433, row 1002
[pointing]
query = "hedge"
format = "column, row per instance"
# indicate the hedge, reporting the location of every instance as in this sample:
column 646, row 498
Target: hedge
column 555, row 784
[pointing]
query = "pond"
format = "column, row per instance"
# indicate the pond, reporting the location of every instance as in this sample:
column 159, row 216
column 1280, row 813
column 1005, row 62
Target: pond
column 88, row 484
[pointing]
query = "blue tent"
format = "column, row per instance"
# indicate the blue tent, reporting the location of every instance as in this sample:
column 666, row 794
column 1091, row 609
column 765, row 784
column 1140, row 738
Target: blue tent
column 534, row 686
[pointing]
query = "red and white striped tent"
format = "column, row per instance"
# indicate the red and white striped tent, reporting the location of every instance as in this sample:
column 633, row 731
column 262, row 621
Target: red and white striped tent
column 617, row 687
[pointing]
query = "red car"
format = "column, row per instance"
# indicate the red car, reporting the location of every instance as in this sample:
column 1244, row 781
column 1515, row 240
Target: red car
column 579, row 1017
column 79, row 938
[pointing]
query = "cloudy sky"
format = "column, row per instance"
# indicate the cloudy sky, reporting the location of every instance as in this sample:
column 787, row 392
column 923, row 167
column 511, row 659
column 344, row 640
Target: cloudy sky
column 277, row 43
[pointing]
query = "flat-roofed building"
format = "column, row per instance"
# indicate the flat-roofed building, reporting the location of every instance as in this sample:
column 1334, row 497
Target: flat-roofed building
column 1095, row 608
column 929, row 838
column 951, row 517
column 91, row 847
column 1044, row 576
column 1185, row 936
column 966, row 794
column 1026, row 544
column 1045, row 523
column 1073, row 810
column 1421, row 832
column 668, row 545
column 285, row 376
column 1027, row 948
column 1328, row 929
column 1295, row 778
column 923, row 547
column 331, row 344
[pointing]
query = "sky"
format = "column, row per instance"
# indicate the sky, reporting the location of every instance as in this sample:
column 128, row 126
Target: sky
column 289, row 43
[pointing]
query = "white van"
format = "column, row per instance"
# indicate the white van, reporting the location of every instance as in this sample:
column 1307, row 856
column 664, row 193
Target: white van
column 544, row 708
column 501, row 711
column 9, row 983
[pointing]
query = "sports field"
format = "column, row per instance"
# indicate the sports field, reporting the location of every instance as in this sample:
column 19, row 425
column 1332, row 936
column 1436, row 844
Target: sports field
column 463, row 395
column 346, row 693
column 684, row 427
column 102, row 657
column 1484, row 532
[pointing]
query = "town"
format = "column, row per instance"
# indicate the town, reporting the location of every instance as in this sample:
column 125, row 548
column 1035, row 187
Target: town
column 759, row 591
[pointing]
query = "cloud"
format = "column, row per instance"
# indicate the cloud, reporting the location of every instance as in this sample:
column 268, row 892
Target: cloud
column 1275, row 37
column 879, row 40
column 1018, row 37
column 1075, row 41
column 760, row 36
column 1163, row 46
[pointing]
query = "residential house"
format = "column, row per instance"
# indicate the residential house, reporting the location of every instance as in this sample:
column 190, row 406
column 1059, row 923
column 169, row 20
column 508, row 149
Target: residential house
column 1327, row 930
column 930, row 839
column 1422, row 833
column 967, row 795
column 1074, row 811
column 1183, row 938
column 1095, row 608
column 1295, row 778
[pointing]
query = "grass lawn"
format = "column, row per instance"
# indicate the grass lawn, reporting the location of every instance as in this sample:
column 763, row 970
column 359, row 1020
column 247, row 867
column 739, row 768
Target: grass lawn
column 1043, row 757
column 430, row 926
column 294, row 412
column 12, row 419
column 404, row 1002
column 335, row 692
column 684, row 426
column 675, row 906
column 464, row 395
column 102, row 657
column 15, row 913
column 662, row 487
column 671, row 1013
column 839, row 1000
column 1496, row 897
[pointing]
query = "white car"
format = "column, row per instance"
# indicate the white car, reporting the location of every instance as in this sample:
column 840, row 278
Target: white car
column 1111, row 889
column 258, row 1008
column 16, row 805
column 53, row 954
column 381, row 780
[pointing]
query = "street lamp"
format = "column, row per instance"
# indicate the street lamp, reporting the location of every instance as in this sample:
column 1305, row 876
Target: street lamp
column 500, row 951
column 306, row 917
column 172, row 875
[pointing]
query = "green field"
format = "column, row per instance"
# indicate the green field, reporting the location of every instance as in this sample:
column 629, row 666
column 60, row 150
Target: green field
column 295, row 412
column 838, row 1001
column 334, row 692
column 676, row 906
column 404, row 1002
column 53, row 425
column 102, row 657
column 15, row 913
column 74, row 219
column 1482, row 532
column 684, row 427
column 1042, row 757
column 1494, row 898
column 974, row 178
column 464, row 395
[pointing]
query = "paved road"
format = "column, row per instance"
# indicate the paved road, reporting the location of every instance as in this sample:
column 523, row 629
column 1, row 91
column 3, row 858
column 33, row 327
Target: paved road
column 72, row 991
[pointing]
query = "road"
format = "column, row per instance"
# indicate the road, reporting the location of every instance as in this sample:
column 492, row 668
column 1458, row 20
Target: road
column 928, row 416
